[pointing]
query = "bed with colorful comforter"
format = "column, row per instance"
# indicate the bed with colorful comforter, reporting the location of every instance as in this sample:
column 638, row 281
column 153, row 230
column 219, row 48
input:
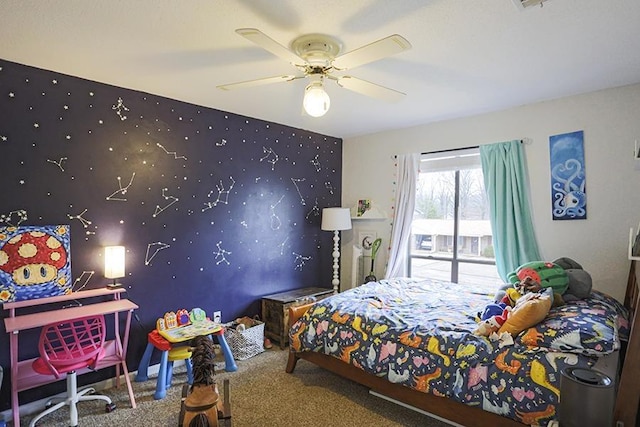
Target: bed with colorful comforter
column 420, row 334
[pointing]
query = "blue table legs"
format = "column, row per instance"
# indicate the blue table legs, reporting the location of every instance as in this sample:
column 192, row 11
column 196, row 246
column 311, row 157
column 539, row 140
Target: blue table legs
column 143, row 368
column 164, row 374
column 161, row 386
column 230, row 364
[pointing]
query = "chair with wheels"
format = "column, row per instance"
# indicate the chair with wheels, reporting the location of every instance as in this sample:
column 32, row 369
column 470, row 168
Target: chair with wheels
column 64, row 349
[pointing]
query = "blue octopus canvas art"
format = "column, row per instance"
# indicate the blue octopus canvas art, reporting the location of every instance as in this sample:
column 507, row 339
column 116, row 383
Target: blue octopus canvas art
column 568, row 179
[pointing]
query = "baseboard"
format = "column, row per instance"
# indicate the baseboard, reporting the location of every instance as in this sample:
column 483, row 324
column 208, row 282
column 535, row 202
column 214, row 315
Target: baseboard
column 38, row 405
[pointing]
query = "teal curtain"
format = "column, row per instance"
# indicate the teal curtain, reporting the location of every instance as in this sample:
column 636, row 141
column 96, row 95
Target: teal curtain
column 507, row 186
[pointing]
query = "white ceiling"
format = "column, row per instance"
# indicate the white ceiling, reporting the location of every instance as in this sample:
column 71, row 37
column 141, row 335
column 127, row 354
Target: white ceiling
column 468, row 57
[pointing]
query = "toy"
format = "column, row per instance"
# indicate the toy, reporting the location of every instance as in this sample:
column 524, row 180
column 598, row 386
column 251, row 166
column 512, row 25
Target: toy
column 580, row 282
column 530, row 310
column 493, row 309
column 492, row 324
column 547, row 274
column 201, row 405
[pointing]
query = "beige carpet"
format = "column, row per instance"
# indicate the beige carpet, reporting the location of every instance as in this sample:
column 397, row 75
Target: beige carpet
column 262, row 394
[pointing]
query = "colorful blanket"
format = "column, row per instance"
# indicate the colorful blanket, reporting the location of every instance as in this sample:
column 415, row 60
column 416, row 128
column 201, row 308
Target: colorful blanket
column 419, row 334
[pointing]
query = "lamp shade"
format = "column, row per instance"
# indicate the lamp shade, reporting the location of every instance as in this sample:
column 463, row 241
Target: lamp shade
column 113, row 262
column 336, row 219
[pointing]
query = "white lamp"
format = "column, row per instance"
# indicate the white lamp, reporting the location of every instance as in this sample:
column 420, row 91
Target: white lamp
column 336, row 219
column 316, row 101
column 114, row 264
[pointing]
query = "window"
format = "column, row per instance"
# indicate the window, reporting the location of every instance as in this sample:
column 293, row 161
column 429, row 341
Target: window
column 451, row 233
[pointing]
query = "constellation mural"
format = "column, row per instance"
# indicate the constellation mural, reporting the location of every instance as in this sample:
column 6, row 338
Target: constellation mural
column 152, row 251
column 58, row 162
column 85, row 222
column 300, row 261
column 120, row 108
column 84, row 279
column 166, row 197
column 94, row 134
column 14, row 218
column 271, row 157
column 221, row 254
column 171, row 153
column 316, row 163
column 122, row 190
column 275, row 219
column 328, row 186
column 315, row 210
column 295, row 182
column 223, row 194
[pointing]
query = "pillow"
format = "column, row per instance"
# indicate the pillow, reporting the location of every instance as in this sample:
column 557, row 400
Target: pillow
column 529, row 310
column 593, row 326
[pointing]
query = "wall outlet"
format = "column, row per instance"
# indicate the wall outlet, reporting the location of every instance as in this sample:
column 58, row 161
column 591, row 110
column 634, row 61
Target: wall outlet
column 217, row 316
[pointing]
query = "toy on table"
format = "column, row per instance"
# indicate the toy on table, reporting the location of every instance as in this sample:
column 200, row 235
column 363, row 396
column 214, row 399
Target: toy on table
column 171, row 329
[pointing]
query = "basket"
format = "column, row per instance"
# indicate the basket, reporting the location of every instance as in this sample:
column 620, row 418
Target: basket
column 245, row 343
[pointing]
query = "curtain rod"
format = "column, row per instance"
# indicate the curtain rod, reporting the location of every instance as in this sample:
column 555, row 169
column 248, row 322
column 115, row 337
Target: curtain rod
column 522, row 141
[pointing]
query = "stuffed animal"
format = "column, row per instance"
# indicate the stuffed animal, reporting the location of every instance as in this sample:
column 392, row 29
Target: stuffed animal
column 530, row 310
column 492, row 324
column 580, row 282
column 492, row 309
column 547, row 274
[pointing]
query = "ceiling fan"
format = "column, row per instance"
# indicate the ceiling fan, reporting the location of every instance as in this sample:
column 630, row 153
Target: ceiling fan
column 317, row 57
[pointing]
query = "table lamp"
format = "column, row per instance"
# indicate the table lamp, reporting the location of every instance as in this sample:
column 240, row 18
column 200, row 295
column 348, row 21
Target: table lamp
column 336, row 219
column 114, row 264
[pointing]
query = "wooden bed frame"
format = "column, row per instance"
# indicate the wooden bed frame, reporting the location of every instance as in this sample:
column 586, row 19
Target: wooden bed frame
column 627, row 399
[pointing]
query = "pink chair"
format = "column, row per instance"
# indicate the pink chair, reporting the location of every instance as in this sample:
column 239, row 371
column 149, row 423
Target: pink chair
column 64, row 349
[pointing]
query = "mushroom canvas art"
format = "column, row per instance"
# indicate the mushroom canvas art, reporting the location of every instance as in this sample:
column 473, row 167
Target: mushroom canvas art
column 35, row 262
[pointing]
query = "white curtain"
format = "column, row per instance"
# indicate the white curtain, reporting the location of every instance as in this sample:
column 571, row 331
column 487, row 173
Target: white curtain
column 407, row 177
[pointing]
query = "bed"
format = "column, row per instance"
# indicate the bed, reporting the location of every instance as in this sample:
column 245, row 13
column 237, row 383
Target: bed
column 412, row 341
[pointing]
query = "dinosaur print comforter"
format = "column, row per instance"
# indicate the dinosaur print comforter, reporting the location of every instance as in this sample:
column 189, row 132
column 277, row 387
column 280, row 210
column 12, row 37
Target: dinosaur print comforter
column 419, row 334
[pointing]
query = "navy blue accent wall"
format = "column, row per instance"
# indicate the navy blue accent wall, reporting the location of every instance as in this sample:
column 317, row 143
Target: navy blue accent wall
column 215, row 209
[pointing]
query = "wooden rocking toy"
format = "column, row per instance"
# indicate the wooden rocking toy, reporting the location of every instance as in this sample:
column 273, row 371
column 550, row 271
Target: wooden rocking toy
column 201, row 405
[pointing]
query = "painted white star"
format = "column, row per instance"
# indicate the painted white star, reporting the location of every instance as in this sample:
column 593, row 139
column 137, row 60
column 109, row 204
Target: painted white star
column 4, row 138
column 36, row 125
column 11, row 95
column 54, row 81
column 66, row 107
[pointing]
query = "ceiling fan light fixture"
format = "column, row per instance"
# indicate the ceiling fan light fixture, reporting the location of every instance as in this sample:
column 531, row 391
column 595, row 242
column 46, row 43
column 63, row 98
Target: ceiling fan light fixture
column 316, row 101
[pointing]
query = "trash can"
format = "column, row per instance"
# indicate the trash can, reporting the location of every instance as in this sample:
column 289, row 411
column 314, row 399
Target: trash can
column 587, row 398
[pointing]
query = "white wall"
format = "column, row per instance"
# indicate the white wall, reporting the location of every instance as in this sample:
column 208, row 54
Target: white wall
column 611, row 123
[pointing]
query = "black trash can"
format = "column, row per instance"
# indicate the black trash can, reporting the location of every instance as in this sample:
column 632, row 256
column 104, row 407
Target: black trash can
column 587, row 398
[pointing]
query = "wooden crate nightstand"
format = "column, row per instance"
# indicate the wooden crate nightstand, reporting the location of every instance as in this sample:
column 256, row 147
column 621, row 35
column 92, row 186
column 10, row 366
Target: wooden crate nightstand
column 275, row 310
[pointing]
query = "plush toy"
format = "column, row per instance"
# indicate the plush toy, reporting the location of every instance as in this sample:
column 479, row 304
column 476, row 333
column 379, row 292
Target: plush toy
column 530, row 310
column 493, row 324
column 493, row 309
column 580, row 282
column 547, row 274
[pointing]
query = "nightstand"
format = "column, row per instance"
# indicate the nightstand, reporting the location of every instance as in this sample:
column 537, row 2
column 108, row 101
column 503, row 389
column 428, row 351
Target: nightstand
column 275, row 310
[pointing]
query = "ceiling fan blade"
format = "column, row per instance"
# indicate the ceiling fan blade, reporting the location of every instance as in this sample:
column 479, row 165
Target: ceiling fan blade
column 259, row 82
column 369, row 89
column 261, row 39
column 382, row 48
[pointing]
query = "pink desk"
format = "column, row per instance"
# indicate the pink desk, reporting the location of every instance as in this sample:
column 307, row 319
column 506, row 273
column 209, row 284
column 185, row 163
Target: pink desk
column 23, row 377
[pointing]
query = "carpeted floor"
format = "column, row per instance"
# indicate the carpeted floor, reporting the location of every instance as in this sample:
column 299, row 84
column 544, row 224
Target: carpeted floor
column 262, row 394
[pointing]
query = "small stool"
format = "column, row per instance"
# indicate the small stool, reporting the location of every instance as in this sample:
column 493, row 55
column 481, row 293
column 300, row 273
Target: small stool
column 179, row 353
